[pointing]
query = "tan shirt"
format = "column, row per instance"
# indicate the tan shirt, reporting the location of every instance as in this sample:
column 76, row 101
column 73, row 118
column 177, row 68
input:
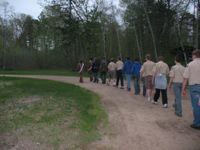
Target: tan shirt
column 147, row 68
column 111, row 66
column 177, row 73
column 119, row 65
column 161, row 68
column 192, row 72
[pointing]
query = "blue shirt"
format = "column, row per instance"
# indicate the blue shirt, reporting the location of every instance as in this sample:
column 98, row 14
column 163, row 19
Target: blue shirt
column 128, row 66
column 136, row 68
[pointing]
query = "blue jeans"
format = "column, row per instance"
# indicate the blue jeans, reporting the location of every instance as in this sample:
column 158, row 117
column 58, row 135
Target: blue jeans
column 177, row 87
column 128, row 79
column 137, row 85
column 195, row 97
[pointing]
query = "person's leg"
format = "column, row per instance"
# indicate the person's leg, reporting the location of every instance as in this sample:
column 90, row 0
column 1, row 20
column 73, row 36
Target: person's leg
column 136, row 85
column 149, row 87
column 128, row 78
column 81, row 77
column 177, row 87
column 164, row 97
column 103, row 77
column 118, row 76
column 157, row 95
column 195, row 98
column 91, row 77
column 121, row 79
column 144, row 87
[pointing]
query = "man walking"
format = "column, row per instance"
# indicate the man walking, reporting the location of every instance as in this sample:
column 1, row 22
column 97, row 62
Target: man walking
column 119, row 67
column 103, row 70
column 111, row 72
column 81, row 69
column 127, row 69
column 161, row 72
column 90, row 69
column 136, row 73
column 192, row 74
column 95, row 70
column 147, row 73
column 176, row 79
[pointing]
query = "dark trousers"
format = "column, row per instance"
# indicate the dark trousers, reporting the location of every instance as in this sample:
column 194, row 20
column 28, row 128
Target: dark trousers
column 103, row 77
column 120, row 77
column 164, row 96
column 81, row 77
column 95, row 77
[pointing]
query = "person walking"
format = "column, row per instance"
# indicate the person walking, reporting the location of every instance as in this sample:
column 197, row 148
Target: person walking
column 111, row 72
column 136, row 73
column 119, row 68
column 161, row 72
column 95, row 70
column 127, row 70
column 81, row 69
column 90, row 69
column 103, row 70
column 147, row 73
column 176, row 80
column 191, row 74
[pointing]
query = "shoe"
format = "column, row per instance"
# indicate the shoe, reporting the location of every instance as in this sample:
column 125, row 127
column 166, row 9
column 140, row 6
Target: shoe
column 154, row 102
column 195, row 127
column 165, row 106
column 178, row 115
column 122, row 88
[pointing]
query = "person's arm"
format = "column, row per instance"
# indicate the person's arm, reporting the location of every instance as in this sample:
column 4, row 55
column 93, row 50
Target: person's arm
column 142, row 71
column 185, row 81
column 171, row 75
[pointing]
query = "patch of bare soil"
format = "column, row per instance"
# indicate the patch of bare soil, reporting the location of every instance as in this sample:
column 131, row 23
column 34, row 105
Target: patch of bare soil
column 30, row 99
column 8, row 141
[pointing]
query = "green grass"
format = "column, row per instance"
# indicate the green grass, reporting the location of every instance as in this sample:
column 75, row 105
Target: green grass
column 40, row 72
column 50, row 112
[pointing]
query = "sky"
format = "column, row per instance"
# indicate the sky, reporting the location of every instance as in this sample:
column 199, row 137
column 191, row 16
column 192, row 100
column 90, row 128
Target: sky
column 31, row 7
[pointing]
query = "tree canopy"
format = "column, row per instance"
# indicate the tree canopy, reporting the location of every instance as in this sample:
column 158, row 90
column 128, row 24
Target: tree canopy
column 69, row 30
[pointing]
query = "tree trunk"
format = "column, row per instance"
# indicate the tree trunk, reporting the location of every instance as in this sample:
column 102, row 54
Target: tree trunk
column 151, row 30
column 138, row 44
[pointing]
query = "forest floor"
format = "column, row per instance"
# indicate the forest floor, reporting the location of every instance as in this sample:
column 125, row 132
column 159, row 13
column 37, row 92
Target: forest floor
column 135, row 124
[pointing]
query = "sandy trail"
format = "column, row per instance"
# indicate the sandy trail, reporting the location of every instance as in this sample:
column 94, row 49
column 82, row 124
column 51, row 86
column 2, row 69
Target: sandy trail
column 135, row 124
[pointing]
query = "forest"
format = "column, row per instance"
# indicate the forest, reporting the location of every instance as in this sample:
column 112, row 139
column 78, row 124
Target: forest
column 67, row 31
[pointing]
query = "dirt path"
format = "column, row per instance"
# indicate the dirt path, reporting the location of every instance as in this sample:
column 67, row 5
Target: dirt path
column 135, row 124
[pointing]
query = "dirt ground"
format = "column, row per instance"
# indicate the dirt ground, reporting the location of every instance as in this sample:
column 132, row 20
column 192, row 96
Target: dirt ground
column 135, row 124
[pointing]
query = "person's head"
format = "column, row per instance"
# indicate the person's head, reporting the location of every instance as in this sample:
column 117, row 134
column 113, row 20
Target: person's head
column 148, row 57
column 177, row 59
column 119, row 58
column 196, row 54
column 81, row 61
column 111, row 60
column 128, row 58
column 160, row 58
column 91, row 59
column 137, row 59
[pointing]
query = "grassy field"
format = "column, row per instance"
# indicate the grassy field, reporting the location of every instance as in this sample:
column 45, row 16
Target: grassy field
column 55, row 115
column 40, row 72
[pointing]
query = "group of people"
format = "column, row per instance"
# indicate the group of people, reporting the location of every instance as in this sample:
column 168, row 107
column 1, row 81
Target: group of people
column 153, row 76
